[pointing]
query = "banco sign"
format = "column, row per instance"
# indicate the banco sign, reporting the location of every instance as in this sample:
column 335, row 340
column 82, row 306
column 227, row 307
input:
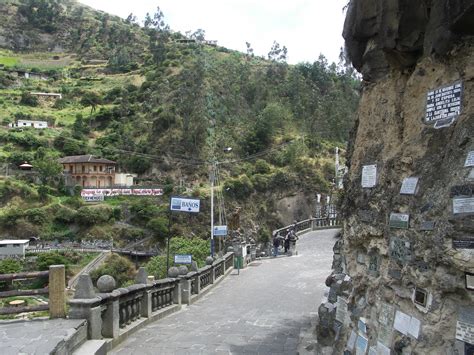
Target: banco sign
column 184, row 204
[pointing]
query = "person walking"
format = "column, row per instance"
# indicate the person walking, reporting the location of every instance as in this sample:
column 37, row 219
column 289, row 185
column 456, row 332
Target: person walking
column 276, row 244
column 287, row 241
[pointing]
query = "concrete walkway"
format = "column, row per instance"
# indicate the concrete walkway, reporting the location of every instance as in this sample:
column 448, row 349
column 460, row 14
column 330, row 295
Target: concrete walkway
column 267, row 309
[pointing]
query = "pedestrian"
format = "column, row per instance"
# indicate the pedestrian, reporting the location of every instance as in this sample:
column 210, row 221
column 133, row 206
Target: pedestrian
column 276, row 244
column 292, row 240
column 287, row 241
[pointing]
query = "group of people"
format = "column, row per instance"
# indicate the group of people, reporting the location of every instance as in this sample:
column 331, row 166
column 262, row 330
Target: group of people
column 289, row 240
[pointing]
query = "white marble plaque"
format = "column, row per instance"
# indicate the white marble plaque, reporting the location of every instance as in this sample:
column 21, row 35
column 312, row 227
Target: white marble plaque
column 402, row 322
column 469, row 159
column 372, row 350
column 443, row 104
column 342, row 313
column 352, row 340
column 362, row 325
column 386, row 316
column 382, row 349
column 463, row 205
column 414, row 327
column 409, row 185
column 465, row 332
column 399, row 220
column 369, row 175
column 361, row 345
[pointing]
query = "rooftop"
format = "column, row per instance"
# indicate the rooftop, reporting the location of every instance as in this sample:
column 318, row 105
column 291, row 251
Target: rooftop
column 84, row 159
column 13, row 241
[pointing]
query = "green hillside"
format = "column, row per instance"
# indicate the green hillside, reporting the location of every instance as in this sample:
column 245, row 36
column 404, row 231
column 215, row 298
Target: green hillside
column 163, row 108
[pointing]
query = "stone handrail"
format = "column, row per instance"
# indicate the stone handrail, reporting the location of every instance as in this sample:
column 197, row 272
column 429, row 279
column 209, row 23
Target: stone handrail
column 311, row 224
column 114, row 312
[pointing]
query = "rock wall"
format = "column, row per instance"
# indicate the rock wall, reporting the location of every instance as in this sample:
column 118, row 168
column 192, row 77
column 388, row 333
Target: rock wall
column 401, row 282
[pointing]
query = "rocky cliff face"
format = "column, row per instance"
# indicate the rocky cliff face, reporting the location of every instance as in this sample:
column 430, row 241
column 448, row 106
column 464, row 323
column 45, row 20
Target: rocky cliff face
column 401, row 282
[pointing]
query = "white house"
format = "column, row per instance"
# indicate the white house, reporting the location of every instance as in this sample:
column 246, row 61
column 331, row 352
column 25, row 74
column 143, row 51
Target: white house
column 13, row 247
column 124, row 179
column 27, row 123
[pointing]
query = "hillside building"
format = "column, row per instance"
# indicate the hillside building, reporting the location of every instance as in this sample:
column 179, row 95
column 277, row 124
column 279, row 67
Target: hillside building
column 13, row 248
column 88, row 171
column 28, row 123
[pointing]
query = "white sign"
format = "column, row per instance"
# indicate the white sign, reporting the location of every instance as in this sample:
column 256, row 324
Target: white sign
column 409, row 186
column 352, row 340
column 185, row 204
column 406, row 324
column 96, row 198
column 183, row 259
column 220, row 231
column 342, row 313
column 361, row 345
column 119, row 192
column 469, row 159
column 465, row 332
column 382, row 349
column 443, row 104
column 369, row 175
column 463, row 205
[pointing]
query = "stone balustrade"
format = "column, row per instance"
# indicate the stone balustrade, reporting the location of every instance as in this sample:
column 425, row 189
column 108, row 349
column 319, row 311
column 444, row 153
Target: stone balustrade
column 115, row 311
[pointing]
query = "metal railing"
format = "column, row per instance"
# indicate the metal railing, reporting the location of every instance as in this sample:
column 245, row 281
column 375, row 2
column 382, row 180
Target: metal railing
column 311, row 224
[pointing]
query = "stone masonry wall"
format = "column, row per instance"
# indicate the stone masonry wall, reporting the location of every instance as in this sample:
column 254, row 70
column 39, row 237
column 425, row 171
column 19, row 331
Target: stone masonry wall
column 402, row 285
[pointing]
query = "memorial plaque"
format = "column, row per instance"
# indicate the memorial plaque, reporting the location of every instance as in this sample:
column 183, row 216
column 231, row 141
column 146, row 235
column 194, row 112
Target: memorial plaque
column 386, row 318
column 360, row 257
column 361, row 345
column 374, row 264
column 395, row 273
column 420, row 297
column 463, row 205
column 382, row 349
column 462, row 190
column 409, row 186
column 406, row 324
column 352, row 340
column 469, row 159
column 399, row 220
column 372, row 350
column 362, row 325
column 463, row 243
column 469, row 281
column 427, row 225
column 471, row 175
column 369, row 175
column 443, row 105
column 465, row 325
column 400, row 250
column 342, row 312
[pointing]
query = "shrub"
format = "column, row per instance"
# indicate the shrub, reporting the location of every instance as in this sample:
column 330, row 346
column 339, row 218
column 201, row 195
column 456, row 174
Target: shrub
column 159, row 227
column 261, row 182
column 239, row 188
column 143, row 210
column 65, row 215
column 262, row 167
column 36, row 215
column 28, row 100
column 119, row 267
column 10, row 266
column 44, row 260
column 93, row 215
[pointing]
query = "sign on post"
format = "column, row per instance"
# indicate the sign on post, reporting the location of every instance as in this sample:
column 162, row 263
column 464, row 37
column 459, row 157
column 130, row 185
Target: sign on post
column 183, row 259
column 220, row 231
column 96, row 198
column 181, row 204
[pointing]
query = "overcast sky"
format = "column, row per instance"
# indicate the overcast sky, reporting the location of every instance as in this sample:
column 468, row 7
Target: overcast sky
column 306, row 27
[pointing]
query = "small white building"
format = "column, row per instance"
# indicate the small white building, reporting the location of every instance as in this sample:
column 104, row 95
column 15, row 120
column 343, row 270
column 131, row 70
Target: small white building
column 27, row 123
column 13, row 247
column 124, row 179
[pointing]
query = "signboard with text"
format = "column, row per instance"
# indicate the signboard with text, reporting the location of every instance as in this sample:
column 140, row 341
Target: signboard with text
column 182, row 204
column 220, row 231
column 443, row 105
column 183, row 259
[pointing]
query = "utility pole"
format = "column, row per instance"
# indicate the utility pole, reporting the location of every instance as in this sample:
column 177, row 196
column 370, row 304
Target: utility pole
column 336, row 179
column 213, row 176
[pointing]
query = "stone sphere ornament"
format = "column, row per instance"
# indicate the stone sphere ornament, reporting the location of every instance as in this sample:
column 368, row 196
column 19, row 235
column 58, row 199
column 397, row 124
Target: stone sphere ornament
column 173, row 272
column 183, row 270
column 106, row 283
column 209, row 260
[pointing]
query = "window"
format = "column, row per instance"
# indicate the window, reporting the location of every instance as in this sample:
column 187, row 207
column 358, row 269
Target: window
column 421, row 297
column 100, row 168
column 83, row 168
column 95, row 167
column 3, row 245
column 16, row 245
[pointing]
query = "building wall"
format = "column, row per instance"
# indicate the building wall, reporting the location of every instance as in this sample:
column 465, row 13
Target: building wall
column 7, row 250
column 90, row 174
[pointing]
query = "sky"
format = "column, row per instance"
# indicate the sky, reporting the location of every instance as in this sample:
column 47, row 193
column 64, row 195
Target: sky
column 307, row 28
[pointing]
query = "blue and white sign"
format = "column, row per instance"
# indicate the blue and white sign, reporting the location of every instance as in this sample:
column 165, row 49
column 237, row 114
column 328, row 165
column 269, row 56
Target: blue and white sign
column 220, row 231
column 185, row 204
column 183, row 259
column 96, row 198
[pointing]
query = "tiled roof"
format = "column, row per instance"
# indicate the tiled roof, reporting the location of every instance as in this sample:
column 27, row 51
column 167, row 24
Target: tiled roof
column 84, row 159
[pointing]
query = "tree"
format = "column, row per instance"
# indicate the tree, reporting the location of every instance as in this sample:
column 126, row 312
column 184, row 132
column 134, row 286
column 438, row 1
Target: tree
column 28, row 100
column 277, row 53
column 92, row 99
column 47, row 166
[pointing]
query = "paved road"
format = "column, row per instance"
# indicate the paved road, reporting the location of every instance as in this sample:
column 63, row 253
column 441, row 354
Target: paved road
column 264, row 310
